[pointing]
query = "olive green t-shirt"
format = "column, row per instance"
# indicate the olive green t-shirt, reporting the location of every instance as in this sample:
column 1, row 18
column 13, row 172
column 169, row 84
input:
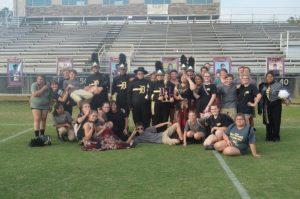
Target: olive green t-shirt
column 42, row 101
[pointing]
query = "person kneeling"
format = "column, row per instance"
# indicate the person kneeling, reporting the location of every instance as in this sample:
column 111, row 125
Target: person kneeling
column 62, row 121
column 194, row 131
column 150, row 134
column 237, row 138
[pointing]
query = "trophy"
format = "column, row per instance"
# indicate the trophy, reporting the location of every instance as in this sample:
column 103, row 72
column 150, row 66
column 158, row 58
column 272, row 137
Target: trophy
column 147, row 90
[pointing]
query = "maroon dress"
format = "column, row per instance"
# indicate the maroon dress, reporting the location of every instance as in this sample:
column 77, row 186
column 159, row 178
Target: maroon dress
column 109, row 141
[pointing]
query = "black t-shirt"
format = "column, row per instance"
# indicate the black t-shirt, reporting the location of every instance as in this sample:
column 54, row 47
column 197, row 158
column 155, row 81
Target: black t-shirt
column 222, row 120
column 101, row 80
column 118, row 119
column 185, row 93
column 245, row 95
column 68, row 104
column 205, row 92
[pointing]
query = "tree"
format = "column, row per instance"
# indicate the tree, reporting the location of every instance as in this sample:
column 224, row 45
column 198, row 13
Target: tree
column 293, row 20
column 4, row 12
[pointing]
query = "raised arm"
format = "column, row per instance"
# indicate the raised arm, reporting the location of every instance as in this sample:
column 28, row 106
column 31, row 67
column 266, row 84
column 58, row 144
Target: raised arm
column 162, row 124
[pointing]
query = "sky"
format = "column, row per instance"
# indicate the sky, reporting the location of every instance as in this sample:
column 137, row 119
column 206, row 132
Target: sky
column 262, row 8
column 278, row 7
column 6, row 3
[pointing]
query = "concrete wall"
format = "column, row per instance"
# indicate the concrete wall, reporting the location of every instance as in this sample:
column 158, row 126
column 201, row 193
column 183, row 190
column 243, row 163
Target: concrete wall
column 19, row 8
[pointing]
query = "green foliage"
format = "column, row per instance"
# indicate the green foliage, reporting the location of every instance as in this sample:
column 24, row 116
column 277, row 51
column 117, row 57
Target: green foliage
column 4, row 12
column 294, row 20
column 63, row 170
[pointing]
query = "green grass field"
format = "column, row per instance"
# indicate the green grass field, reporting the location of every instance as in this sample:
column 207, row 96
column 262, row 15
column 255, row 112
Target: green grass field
column 63, row 170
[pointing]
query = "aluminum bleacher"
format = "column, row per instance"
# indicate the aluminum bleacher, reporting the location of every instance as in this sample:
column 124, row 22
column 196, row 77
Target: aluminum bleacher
column 246, row 43
column 40, row 45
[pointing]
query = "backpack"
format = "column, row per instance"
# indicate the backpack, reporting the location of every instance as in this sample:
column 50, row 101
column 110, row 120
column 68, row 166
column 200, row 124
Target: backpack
column 42, row 140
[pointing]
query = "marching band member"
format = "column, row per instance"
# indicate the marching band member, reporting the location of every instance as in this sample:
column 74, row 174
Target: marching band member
column 138, row 98
column 120, row 85
column 97, row 83
column 160, row 96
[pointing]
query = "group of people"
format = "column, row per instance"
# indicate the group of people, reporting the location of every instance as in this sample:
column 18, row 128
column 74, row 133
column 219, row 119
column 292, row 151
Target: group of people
column 172, row 107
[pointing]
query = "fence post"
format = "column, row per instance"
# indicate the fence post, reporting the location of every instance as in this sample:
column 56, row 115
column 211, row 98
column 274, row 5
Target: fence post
column 287, row 43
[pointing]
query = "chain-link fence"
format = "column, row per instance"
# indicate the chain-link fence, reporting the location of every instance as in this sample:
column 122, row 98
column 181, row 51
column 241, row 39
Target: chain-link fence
column 292, row 83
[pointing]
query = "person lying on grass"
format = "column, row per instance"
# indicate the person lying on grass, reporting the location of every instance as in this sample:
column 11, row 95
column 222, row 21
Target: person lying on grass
column 150, row 134
column 237, row 138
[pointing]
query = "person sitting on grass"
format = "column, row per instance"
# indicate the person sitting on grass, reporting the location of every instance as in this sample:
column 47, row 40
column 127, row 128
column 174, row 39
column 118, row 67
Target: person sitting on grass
column 237, row 138
column 150, row 134
column 81, row 119
column 217, row 124
column 120, row 120
column 62, row 121
column 194, row 131
column 103, row 112
column 90, row 141
column 101, row 137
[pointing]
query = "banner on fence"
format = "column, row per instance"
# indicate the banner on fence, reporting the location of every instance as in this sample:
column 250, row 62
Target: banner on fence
column 15, row 72
column 222, row 62
column 157, row 9
column 62, row 64
column 275, row 64
column 113, row 70
column 170, row 63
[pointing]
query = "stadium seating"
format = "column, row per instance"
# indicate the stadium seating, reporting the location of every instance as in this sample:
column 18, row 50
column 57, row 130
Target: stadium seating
column 246, row 43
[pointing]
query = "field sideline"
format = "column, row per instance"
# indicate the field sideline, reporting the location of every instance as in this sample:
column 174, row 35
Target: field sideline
column 63, row 170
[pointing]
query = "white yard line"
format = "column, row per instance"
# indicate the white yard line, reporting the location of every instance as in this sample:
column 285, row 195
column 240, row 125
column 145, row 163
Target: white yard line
column 15, row 135
column 240, row 188
column 12, row 124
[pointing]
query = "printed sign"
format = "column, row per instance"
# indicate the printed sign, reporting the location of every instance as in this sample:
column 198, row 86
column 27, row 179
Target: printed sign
column 15, row 72
column 276, row 64
column 63, row 64
column 222, row 62
column 170, row 63
column 157, row 9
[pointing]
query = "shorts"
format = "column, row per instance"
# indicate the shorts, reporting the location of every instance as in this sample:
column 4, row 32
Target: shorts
column 231, row 112
column 167, row 134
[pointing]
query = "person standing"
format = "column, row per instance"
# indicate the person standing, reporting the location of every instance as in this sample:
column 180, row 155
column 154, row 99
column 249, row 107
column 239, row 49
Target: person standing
column 98, row 83
column 272, row 106
column 173, row 82
column 120, row 88
column 66, row 77
column 227, row 93
column 208, row 94
column 61, row 96
column 40, row 102
column 247, row 98
column 138, row 98
column 160, row 100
